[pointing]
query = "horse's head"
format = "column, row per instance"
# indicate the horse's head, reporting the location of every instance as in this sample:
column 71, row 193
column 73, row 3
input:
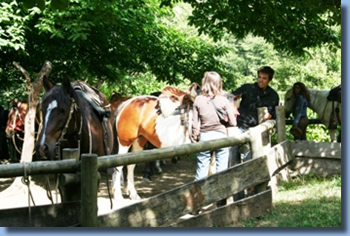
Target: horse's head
column 16, row 118
column 56, row 108
column 288, row 102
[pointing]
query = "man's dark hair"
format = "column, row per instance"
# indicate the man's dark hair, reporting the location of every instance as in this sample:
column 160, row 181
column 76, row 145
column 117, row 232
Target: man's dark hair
column 266, row 70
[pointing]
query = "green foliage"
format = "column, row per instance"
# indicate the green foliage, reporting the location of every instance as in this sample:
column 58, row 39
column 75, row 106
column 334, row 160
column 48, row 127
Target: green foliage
column 134, row 85
column 291, row 26
column 106, row 42
column 12, row 30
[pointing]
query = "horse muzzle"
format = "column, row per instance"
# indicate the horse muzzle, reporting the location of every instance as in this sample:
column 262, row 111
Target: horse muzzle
column 46, row 152
column 10, row 133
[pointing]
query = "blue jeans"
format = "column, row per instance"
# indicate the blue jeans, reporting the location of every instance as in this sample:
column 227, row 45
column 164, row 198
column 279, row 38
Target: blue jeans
column 203, row 158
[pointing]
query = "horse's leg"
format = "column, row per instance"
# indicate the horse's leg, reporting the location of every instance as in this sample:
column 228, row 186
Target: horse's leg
column 130, row 187
column 147, row 173
column 116, row 183
column 157, row 167
column 117, row 177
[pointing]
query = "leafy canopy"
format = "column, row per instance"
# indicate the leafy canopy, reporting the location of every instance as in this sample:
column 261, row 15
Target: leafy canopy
column 290, row 25
column 102, row 39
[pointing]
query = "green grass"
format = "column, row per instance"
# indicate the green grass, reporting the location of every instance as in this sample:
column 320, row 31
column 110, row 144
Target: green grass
column 306, row 201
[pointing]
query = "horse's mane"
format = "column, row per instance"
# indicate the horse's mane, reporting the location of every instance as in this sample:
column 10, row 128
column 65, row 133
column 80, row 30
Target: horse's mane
column 95, row 95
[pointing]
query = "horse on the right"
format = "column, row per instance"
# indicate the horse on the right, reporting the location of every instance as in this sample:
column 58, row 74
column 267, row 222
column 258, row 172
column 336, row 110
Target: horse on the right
column 327, row 108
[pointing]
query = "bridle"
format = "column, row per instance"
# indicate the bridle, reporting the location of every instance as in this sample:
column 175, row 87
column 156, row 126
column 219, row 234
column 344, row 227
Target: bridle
column 17, row 123
column 73, row 107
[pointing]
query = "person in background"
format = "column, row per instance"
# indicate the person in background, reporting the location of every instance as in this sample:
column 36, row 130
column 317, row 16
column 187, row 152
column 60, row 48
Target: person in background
column 253, row 96
column 301, row 98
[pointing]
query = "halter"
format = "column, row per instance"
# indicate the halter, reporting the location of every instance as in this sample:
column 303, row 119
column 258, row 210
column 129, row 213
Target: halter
column 73, row 107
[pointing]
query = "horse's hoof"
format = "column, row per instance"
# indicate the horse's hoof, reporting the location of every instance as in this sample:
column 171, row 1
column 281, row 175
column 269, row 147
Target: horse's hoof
column 134, row 196
column 118, row 197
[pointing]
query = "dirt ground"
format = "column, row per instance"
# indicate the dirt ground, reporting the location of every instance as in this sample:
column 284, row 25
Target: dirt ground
column 174, row 175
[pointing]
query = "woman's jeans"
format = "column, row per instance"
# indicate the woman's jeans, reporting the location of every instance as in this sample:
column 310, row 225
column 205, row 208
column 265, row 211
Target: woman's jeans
column 203, row 158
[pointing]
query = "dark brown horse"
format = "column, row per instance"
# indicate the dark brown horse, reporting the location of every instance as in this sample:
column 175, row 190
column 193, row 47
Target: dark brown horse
column 74, row 117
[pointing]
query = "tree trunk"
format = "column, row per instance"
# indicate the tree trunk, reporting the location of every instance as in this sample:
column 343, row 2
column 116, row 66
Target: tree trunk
column 33, row 95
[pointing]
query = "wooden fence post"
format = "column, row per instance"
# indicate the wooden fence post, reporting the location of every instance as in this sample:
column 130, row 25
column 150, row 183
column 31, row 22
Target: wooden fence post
column 260, row 143
column 89, row 181
column 280, row 123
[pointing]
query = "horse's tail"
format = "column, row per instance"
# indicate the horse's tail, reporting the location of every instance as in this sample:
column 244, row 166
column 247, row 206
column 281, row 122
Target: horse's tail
column 115, row 136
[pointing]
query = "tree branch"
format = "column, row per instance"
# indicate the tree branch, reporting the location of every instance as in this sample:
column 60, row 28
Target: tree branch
column 37, row 84
column 24, row 72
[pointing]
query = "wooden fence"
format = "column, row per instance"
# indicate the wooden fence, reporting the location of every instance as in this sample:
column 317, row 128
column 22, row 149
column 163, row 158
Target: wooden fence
column 267, row 163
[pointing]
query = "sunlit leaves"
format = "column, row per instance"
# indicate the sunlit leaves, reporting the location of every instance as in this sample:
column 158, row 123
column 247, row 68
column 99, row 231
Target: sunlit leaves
column 291, row 26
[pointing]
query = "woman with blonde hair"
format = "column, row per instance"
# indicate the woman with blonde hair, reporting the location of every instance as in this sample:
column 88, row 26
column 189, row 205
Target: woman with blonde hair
column 206, row 123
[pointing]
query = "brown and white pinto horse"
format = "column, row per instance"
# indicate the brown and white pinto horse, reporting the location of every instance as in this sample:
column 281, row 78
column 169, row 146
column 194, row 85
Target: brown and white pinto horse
column 15, row 124
column 163, row 121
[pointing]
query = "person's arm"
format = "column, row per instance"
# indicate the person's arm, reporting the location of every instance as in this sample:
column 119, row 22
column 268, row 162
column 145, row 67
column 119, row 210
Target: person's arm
column 271, row 108
column 232, row 114
column 195, row 123
column 240, row 90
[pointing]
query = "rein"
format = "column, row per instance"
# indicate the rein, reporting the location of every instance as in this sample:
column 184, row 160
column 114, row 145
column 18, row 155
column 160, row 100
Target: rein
column 183, row 111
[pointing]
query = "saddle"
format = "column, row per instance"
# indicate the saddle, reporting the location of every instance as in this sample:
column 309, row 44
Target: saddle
column 95, row 98
column 335, row 94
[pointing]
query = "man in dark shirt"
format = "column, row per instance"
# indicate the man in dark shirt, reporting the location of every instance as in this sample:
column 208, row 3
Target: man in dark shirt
column 258, row 94
column 253, row 96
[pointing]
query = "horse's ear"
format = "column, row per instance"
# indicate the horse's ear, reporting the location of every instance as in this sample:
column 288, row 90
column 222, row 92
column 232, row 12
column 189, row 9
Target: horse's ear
column 14, row 102
column 67, row 86
column 194, row 90
column 47, row 84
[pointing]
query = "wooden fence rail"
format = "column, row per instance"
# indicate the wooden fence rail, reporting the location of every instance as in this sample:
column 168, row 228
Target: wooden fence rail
column 103, row 162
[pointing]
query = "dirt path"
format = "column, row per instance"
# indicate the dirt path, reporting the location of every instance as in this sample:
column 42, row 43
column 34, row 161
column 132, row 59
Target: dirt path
column 174, row 175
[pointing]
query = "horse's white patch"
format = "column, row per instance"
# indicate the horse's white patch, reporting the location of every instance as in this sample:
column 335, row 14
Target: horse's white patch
column 167, row 106
column 171, row 132
column 51, row 106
